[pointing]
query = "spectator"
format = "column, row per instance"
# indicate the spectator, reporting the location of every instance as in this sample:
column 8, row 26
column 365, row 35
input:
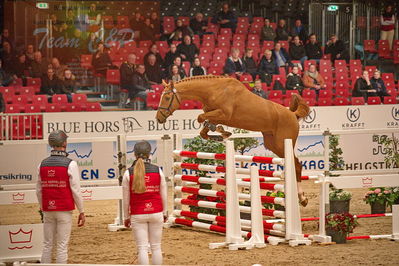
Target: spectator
column 30, row 55
column 5, row 78
column 153, row 70
column 177, row 62
column 187, row 50
column 313, row 80
column 140, row 84
column 388, row 25
column 39, row 66
column 154, row 51
column 127, row 70
column 196, row 69
column 20, row 68
column 93, row 18
column 281, row 56
column 225, row 18
column 70, row 21
column 91, row 43
column 249, row 63
column 363, row 87
column 58, row 68
column 294, row 80
column 268, row 67
column 68, row 84
column 50, row 84
column 175, row 74
column 176, row 36
column 378, row 85
column 258, row 89
column 337, row 49
column 234, row 64
column 7, row 57
column 299, row 30
column 313, row 49
column 5, row 37
column 170, row 56
column 58, row 29
column 147, row 32
column 297, row 50
column 268, row 33
column 101, row 61
column 155, row 22
column 282, row 33
column 198, row 25
column 186, row 30
column 136, row 23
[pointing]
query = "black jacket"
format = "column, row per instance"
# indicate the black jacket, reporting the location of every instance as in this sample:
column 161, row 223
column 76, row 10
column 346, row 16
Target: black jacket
column 260, row 93
column 297, row 51
column 126, row 72
column 196, row 26
column 337, row 48
column 140, row 82
column 188, row 50
column 313, row 51
column 153, row 73
column 197, row 71
column 269, row 67
column 50, row 87
column 361, row 88
column 282, row 33
column 230, row 16
column 379, row 86
column 294, row 82
column 169, row 58
column 68, row 86
column 249, row 64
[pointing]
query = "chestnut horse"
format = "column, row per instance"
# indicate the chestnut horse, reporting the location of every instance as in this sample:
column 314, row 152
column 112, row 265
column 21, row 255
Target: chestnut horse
column 226, row 101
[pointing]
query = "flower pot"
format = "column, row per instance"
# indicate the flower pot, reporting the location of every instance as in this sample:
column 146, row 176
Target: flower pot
column 377, row 207
column 339, row 206
column 337, row 237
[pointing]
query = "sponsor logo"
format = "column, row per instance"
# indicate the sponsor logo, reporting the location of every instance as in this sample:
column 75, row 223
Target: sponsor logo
column 395, row 115
column 51, row 173
column 309, row 121
column 18, row 197
column 20, row 239
column 51, row 204
column 16, row 177
column 311, row 116
column 148, row 206
column 353, row 116
column 147, row 178
column 130, row 124
column 367, row 181
column 86, row 194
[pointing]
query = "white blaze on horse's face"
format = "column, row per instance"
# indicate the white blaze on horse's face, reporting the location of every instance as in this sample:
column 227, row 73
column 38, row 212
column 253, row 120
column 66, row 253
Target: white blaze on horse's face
column 168, row 104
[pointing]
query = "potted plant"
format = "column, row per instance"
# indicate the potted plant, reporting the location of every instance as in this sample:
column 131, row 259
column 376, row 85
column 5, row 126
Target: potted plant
column 379, row 198
column 339, row 200
column 277, row 207
column 339, row 225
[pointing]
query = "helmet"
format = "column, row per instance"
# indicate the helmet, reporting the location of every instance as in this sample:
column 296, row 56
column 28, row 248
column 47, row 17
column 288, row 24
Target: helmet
column 142, row 149
column 57, row 138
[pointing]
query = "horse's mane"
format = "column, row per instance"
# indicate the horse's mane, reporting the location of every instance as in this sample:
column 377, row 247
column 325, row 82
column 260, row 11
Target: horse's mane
column 203, row 77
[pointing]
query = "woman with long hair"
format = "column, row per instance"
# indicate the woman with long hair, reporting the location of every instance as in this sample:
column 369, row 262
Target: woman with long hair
column 145, row 203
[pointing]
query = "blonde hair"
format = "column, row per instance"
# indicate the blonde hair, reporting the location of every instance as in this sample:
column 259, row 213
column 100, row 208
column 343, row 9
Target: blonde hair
column 138, row 184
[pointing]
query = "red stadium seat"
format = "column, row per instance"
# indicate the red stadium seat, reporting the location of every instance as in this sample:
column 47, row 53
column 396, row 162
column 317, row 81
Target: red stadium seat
column 122, row 22
column 288, row 93
column 324, row 102
column 20, row 99
column 355, row 63
column 153, row 99
column 13, row 108
column 390, row 100
column 225, row 31
column 188, row 104
column 340, row 63
column 85, row 61
column 33, row 108
column 93, row 107
column 285, row 45
column 383, row 49
column 373, row 100
column 79, row 98
column 308, row 93
column 52, row 107
column 73, row 107
column 357, row 101
column 246, row 78
column 325, row 94
column 310, row 101
column 341, row 101
column 59, row 98
column 113, row 76
column 369, row 46
column 157, row 88
column 342, row 85
column 371, row 70
column 275, row 94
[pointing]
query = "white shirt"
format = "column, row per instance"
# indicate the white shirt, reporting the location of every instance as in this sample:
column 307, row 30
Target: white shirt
column 74, row 181
column 126, row 193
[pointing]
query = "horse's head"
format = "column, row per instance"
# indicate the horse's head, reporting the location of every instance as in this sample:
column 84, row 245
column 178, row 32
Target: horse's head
column 170, row 101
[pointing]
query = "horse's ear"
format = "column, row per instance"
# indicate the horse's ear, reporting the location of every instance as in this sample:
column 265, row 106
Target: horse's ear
column 164, row 83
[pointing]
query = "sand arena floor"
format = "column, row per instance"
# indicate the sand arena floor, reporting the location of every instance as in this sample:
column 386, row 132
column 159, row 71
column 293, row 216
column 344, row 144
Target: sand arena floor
column 184, row 246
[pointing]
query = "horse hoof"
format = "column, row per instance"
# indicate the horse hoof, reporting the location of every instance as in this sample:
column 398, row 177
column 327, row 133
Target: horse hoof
column 304, row 201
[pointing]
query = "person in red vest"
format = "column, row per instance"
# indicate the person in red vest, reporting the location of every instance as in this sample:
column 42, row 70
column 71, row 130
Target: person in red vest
column 145, row 203
column 58, row 191
column 388, row 25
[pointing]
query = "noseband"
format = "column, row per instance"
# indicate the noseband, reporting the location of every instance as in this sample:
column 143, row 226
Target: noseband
column 174, row 96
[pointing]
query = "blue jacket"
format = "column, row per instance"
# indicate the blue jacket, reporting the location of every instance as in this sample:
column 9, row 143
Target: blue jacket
column 230, row 67
column 268, row 67
column 284, row 54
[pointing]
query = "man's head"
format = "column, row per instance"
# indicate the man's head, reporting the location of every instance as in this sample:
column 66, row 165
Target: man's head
column 50, row 73
column 131, row 59
column 152, row 60
column 298, row 23
column 93, row 7
column 179, row 23
column 29, row 49
column 22, row 58
column 197, row 62
column 137, row 15
column 258, row 84
column 140, row 69
column 187, row 39
column 281, row 23
column 249, row 52
column 312, row 68
column 199, row 17
column 147, row 21
column 235, row 53
column 296, row 40
column 267, row 22
column 173, row 47
column 377, row 74
column 7, row 46
column 333, row 38
column 55, row 62
column 277, row 46
column 225, row 7
column 177, row 61
column 268, row 54
column 295, row 70
column 58, row 139
column 312, row 38
column 67, row 74
column 154, row 49
column 6, row 33
column 154, row 15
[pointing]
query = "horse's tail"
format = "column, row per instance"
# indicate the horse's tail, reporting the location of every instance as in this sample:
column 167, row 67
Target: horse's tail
column 299, row 106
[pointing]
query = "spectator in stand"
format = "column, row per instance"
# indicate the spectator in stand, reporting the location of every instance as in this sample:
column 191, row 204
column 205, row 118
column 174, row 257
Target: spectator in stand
column 268, row 67
column 39, row 66
column 299, row 30
column 93, row 18
column 388, row 25
column 249, row 63
column 50, row 84
column 313, row 49
column 177, row 35
column 313, row 80
column 297, row 50
column 147, row 32
column 30, row 55
column 136, row 24
column 196, row 69
column 20, row 69
column 170, row 56
column 282, row 32
column 186, row 30
column 268, row 33
column 8, row 57
column 281, row 56
column 58, row 68
column 294, row 80
column 225, row 18
column 234, row 64
column 126, row 71
column 337, row 49
column 5, row 78
column 91, row 44
column 140, row 85
column 187, row 50
column 258, row 89
column 5, row 37
column 155, row 22
column 363, row 87
column 177, row 62
column 68, row 84
column 378, row 85
column 154, row 51
column 101, row 61
column 175, row 74
column 198, row 25
column 153, row 70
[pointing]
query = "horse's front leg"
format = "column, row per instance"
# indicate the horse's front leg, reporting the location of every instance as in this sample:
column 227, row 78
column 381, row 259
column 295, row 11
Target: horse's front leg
column 218, row 115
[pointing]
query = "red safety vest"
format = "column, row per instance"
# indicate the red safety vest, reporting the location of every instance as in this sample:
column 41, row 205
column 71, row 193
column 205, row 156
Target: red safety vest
column 56, row 190
column 388, row 27
column 149, row 201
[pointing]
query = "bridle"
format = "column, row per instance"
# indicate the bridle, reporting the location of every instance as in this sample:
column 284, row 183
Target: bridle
column 168, row 110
